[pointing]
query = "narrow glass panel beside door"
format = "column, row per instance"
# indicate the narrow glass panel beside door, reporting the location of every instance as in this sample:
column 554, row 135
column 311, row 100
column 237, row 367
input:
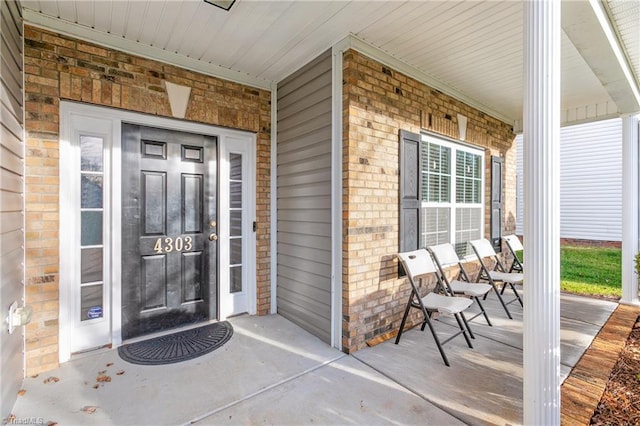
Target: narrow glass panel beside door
column 235, row 228
column 91, row 228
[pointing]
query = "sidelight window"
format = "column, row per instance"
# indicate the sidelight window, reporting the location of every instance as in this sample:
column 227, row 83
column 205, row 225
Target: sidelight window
column 235, row 214
column 91, row 225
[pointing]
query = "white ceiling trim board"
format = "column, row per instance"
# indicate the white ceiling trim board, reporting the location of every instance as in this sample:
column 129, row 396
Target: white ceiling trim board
column 582, row 114
column 353, row 42
column 603, row 19
column 148, row 52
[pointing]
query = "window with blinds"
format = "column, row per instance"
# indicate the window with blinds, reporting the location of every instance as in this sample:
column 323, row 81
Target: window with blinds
column 451, row 196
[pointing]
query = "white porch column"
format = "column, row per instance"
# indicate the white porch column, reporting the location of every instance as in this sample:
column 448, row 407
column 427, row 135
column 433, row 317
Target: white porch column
column 630, row 164
column 542, row 212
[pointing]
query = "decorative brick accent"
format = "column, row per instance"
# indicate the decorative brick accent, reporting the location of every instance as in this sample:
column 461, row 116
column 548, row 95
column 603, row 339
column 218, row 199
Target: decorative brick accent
column 59, row 67
column 378, row 102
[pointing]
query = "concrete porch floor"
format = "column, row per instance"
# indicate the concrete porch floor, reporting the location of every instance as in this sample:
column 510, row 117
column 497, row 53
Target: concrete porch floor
column 273, row 372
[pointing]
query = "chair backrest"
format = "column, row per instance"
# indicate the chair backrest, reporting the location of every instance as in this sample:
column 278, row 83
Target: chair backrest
column 483, row 248
column 417, row 263
column 513, row 242
column 445, row 254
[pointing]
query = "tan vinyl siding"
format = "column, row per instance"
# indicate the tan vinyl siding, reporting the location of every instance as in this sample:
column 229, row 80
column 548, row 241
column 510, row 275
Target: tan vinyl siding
column 304, row 197
column 11, row 198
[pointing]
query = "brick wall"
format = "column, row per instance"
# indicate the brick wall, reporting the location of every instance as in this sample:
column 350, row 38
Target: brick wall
column 378, row 102
column 59, row 67
column 578, row 242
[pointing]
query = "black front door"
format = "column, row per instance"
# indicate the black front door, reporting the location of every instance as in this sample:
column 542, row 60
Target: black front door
column 169, row 229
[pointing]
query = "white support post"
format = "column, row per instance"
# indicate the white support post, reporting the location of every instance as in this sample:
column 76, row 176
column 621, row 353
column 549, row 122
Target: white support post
column 630, row 164
column 542, row 212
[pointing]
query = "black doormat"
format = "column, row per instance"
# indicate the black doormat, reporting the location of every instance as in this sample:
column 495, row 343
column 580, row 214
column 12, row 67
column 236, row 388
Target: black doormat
column 177, row 347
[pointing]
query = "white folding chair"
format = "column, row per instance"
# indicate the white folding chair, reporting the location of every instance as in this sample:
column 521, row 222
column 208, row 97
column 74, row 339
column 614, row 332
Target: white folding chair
column 446, row 257
column 515, row 246
column 417, row 264
column 496, row 274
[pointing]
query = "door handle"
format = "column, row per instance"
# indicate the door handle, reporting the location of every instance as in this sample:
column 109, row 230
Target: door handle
column 213, row 237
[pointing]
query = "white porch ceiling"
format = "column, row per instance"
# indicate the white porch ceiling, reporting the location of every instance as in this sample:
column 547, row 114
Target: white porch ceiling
column 473, row 48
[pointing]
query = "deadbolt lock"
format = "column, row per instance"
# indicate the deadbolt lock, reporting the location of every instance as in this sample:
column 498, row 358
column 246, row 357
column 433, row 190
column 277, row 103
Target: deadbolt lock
column 213, row 237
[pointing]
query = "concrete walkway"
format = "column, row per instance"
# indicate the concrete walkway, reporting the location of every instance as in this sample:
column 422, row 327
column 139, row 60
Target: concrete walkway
column 273, row 372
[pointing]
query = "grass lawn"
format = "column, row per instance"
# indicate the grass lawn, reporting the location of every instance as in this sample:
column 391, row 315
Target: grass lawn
column 591, row 271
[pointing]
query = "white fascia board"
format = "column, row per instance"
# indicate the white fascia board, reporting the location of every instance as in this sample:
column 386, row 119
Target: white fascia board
column 149, row 52
column 618, row 51
column 357, row 44
column 588, row 27
column 580, row 115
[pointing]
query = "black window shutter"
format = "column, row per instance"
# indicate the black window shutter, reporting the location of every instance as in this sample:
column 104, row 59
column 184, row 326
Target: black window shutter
column 409, row 191
column 496, row 202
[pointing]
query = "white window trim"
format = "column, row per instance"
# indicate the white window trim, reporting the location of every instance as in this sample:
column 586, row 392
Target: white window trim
column 453, row 205
column 69, row 243
column 228, row 303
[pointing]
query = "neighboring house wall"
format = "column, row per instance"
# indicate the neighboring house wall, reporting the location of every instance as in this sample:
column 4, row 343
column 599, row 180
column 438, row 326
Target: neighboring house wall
column 11, row 202
column 304, row 197
column 590, row 182
column 59, row 67
column 378, row 103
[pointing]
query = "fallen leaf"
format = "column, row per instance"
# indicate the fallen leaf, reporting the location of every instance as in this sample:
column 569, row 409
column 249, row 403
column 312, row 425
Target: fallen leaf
column 52, row 423
column 96, row 386
column 109, row 364
column 103, row 378
column 120, row 373
column 51, row 379
column 11, row 419
column 89, row 409
column 22, row 392
column 34, row 376
column 101, row 372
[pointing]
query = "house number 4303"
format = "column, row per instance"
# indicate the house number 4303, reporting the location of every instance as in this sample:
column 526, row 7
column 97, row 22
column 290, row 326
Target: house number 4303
column 167, row 245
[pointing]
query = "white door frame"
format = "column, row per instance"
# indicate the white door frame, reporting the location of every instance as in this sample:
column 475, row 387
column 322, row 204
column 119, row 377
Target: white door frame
column 69, row 211
column 244, row 301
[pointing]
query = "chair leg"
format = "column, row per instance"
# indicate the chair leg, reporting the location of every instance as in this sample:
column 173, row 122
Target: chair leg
column 404, row 319
column 500, row 299
column 516, row 293
column 435, row 337
column 466, row 324
column 462, row 328
column 486, row 317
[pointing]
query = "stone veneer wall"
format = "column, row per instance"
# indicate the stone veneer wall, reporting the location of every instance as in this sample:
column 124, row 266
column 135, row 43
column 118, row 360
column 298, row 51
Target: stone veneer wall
column 378, row 102
column 63, row 68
